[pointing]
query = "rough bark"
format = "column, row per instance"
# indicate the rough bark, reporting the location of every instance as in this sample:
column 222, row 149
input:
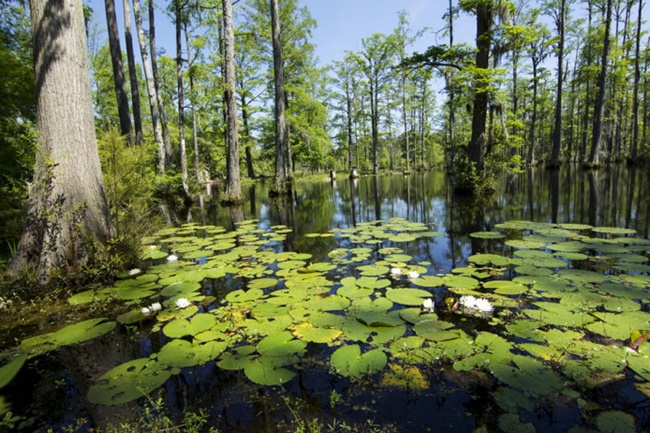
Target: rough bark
column 133, row 76
column 557, row 128
column 68, row 212
column 283, row 178
column 178, row 7
column 600, row 98
column 233, row 194
column 118, row 70
column 250, row 170
column 479, row 112
column 151, row 88
column 634, row 154
column 156, row 81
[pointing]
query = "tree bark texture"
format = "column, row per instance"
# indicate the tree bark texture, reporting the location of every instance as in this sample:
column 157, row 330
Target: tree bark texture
column 118, row 70
column 151, row 88
column 479, row 114
column 557, row 128
column 68, row 211
column 133, row 76
column 282, row 181
column 233, row 192
column 156, row 82
column 181, row 95
column 600, row 98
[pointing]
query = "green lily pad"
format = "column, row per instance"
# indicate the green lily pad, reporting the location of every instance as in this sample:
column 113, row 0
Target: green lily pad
column 529, row 375
column 373, row 270
column 488, row 259
column 613, row 231
column 266, row 373
column 11, row 369
column 182, row 353
column 281, row 344
column 349, row 361
column 615, row 422
column 262, row 283
column 238, row 296
column 436, row 330
column 504, row 287
column 408, row 297
column 527, row 244
column 313, row 334
column 180, row 288
column 487, row 235
column 428, row 281
column 460, row 282
column 182, row 327
column 72, row 334
column 128, row 382
column 86, row 297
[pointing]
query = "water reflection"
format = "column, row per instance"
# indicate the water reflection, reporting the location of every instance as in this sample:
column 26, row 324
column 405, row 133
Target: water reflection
column 617, row 196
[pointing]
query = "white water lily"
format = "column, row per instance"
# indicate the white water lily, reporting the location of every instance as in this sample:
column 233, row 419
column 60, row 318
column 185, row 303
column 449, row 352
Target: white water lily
column 428, row 306
column 182, row 303
column 134, row 271
column 412, row 275
column 474, row 303
column 172, row 258
column 395, row 272
column 152, row 308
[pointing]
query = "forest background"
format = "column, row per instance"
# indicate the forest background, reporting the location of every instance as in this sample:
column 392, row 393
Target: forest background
column 529, row 82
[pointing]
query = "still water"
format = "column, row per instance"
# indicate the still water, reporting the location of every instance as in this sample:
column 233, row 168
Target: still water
column 50, row 392
column 617, row 197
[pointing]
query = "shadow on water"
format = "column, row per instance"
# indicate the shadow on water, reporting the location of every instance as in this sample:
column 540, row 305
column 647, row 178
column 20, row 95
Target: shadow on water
column 56, row 383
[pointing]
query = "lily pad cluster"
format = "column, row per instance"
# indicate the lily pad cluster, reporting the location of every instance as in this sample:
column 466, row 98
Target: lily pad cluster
column 568, row 311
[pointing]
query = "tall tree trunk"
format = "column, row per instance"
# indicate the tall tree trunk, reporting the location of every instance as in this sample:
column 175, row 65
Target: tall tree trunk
column 283, row 177
column 533, row 119
column 348, row 115
column 178, row 9
column 156, row 82
column 195, row 132
column 233, row 194
column 449, row 81
column 133, row 76
column 600, row 99
column 406, row 128
column 479, row 113
column 557, row 128
column 634, row 153
column 585, row 120
column 247, row 136
column 67, row 204
column 151, row 89
column 118, row 70
column 374, row 124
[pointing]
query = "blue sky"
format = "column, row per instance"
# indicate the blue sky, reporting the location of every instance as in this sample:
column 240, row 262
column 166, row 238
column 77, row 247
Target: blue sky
column 341, row 24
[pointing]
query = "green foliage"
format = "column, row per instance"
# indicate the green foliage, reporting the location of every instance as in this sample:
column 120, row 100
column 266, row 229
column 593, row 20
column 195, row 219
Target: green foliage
column 130, row 183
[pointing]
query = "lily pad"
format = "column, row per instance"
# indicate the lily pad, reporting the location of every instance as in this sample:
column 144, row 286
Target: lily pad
column 11, row 368
column 487, row 235
column 349, row 361
column 436, row 330
column 128, row 382
column 182, row 327
column 238, row 296
column 408, row 297
column 266, row 373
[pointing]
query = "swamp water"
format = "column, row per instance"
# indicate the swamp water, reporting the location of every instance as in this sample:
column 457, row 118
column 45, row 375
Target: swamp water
column 280, row 314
